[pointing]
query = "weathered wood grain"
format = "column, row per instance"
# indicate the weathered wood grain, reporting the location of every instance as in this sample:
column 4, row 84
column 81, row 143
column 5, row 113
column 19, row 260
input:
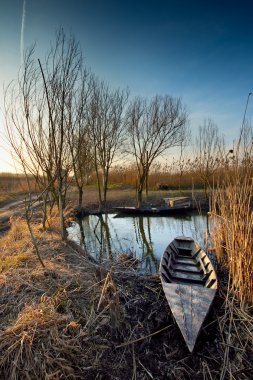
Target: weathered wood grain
column 189, row 283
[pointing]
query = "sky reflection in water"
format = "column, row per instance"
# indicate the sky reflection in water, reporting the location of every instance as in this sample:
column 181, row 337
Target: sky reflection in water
column 146, row 237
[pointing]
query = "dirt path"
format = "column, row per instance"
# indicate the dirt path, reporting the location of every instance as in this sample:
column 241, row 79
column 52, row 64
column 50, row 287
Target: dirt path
column 10, row 207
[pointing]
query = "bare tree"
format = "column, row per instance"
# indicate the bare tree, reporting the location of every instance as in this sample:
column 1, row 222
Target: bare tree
column 209, row 151
column 153, row 127
column 106, row 127
column 83, row 162
column 80, row 144
column 38, row 120
column 60, row 77
column 25, row 107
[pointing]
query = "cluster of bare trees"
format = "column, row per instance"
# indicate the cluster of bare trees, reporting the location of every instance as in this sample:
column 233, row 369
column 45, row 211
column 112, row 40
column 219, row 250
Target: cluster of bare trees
column 106, row 130
column 209, row 152
column 153, row 127
column 40, row 113
column 64, row 123
column 200, row 163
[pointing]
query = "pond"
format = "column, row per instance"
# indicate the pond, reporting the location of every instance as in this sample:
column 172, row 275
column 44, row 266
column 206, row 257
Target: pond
column 145, row 237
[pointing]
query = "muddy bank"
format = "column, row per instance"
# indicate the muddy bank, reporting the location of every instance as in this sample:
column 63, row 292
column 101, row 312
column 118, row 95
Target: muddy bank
column 91, row 208
column 116, row 198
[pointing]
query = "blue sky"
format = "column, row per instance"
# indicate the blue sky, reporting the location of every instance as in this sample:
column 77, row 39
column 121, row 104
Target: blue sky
column 201, row 51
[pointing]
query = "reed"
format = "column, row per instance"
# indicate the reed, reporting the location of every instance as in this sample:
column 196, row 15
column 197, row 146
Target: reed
column 231, row 208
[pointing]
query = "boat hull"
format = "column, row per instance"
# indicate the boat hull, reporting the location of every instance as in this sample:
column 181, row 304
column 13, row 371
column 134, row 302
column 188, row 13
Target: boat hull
column 152, row 210
column 190, row 284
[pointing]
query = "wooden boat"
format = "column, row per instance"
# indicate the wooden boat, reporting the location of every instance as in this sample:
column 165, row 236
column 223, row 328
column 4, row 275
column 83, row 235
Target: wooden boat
column 158, row 210
column 171, row 206
column 189, row 283
column 128, row 210
column 174, row 202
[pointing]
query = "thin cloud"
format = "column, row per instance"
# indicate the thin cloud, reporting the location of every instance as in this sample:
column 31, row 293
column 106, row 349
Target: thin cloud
column 22, row 34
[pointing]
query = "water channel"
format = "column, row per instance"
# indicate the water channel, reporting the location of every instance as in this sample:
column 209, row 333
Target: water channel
column 145, row 237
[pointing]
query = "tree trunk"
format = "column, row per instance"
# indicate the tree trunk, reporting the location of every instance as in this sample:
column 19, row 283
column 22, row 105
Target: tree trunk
column 99, row 192
column 205, row 189
column 140, row 186
column 80, row 197
column 44, row 211
column 104, row 224
column 146, row 174
column 98, row 182
column 146, row 183
column 60, row 204
column 105, row 185
column 139, row 192
column 63, row 197
column 80, row 223
column 34, row 242
column 139, row 196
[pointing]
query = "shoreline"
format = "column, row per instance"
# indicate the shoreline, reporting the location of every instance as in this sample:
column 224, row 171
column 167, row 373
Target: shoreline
column 116, row 198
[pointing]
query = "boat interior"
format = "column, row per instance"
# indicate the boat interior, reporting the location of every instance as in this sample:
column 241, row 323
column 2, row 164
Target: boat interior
column 184, row 262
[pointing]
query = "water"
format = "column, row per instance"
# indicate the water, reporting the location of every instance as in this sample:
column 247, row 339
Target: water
column 146, row 237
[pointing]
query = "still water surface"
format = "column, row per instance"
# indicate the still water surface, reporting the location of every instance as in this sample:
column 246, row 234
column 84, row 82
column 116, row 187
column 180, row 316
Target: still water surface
column 146, row 237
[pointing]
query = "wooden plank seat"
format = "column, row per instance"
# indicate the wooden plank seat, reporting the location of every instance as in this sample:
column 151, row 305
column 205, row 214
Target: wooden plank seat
column 186, row 268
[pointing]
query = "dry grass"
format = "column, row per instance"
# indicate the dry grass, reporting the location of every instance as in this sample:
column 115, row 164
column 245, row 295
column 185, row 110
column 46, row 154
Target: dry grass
column 233, row 229
column 236, row 330
column 16, row 247
column 232, row 225
column 12, row 184
column 77, row 320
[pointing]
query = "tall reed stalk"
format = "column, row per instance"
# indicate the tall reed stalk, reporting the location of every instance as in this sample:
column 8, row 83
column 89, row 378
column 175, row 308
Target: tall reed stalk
column 231, row 208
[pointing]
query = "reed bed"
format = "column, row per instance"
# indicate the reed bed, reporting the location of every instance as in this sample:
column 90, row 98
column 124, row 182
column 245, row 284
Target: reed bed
column 232, row 235
column 232, row 226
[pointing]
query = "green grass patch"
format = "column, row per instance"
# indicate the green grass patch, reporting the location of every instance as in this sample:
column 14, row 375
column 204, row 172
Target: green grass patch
column 16, row 261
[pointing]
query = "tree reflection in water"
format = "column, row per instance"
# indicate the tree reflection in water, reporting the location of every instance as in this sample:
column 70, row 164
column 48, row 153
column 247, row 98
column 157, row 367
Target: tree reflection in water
column 145, row 237
column 148, row 261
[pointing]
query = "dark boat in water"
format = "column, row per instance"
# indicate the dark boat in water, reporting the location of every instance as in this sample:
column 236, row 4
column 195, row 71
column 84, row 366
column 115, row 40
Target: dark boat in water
column 189, row 283
column 170, row 206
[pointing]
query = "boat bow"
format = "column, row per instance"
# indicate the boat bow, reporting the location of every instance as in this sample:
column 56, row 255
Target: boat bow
column 189, row 305
column 189, row 283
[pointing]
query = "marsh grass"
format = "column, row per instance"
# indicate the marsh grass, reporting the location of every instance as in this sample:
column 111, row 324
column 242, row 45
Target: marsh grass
column 14, row 261
column 232, row 235
column 16, row 246
column 236, row 330
column 233, row 227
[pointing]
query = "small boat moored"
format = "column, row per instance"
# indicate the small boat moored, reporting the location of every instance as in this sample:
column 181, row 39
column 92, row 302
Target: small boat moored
column 129, row 210
column 189, row 283
column 178, row 202
column 170, row 206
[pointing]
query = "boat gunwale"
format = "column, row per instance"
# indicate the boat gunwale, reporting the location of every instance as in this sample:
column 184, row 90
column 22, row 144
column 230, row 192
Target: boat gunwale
column 203, row 262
